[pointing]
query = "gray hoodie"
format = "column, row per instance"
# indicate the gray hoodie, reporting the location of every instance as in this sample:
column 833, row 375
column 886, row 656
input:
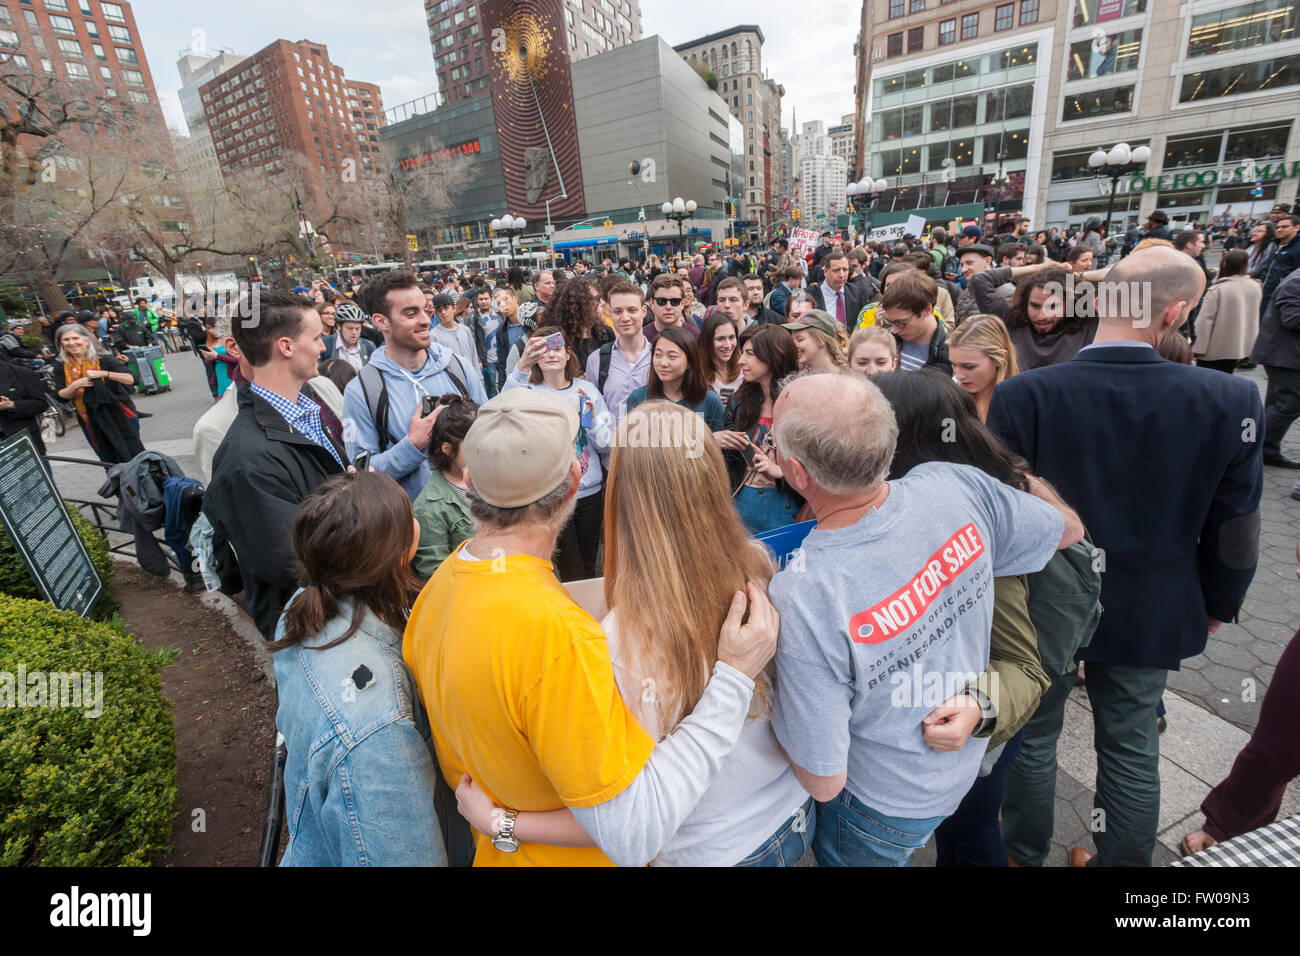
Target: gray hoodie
column 407, row 464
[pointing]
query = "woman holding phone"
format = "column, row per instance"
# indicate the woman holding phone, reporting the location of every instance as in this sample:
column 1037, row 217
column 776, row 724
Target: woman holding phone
column 547, row 363
column 763, row 499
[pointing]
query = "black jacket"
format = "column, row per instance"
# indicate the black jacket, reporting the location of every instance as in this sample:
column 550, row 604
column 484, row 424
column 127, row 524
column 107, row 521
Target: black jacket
column 131, row 334
column 938, row 358
column 766, row 316
column 1278, row 342
column 1171, row 560
column 260, row 474
column 1286, row 259
column 25, row 389
column 854, row 300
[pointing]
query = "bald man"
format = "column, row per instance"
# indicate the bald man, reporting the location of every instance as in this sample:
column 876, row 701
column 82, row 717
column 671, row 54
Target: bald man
column 1163, row 462
column 887, row 770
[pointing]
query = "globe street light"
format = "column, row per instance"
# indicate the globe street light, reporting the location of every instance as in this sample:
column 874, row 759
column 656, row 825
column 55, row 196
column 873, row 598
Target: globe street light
column 509, row 226
column 868, row 187
column 1120, row 160
column 678, row 211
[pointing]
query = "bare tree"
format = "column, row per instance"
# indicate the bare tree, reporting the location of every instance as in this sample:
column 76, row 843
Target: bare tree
column 55, row 181
column 418, row 190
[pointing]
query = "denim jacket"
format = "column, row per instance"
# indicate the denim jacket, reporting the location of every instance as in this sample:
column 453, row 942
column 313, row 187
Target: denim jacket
column 360, row 778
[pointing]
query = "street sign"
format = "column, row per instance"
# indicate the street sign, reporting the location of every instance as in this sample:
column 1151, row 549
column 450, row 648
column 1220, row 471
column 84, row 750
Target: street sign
column 42, row 530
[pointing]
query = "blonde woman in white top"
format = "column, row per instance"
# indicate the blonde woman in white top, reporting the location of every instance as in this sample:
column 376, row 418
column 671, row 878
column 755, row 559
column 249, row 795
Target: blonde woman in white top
column 676, row 555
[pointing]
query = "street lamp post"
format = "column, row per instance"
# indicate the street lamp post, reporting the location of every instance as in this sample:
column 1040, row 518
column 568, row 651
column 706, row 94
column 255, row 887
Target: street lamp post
column 510, row 226
column 679, row 211
column 1119, row 160
column 870, row 189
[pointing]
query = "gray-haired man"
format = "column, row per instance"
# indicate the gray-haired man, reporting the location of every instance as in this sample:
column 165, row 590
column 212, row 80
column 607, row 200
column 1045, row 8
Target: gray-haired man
column 894, row 585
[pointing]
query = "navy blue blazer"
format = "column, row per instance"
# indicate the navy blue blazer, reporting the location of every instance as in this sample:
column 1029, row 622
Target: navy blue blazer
column 1164, row 464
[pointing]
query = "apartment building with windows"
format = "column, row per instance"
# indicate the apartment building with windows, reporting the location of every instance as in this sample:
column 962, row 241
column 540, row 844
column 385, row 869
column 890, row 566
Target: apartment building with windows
column 92, row 51
column 287, row 100
column 735, row 56
column 952, row 94
column 460, row 49
column 93, row 45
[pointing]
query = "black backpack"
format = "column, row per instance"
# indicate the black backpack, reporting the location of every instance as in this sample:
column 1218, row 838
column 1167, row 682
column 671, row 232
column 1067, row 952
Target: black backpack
column 375, row 391
column 606, row 356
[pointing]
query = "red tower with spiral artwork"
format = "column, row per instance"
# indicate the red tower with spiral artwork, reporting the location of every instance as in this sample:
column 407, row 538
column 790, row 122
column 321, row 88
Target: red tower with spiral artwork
column 532, row 97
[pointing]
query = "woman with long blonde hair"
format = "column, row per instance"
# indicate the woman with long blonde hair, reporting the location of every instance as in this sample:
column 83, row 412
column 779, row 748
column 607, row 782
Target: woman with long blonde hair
column 982, row 355
column 675, row 556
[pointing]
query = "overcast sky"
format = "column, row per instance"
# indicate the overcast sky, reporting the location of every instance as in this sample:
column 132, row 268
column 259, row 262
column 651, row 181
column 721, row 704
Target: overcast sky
column 387, row 42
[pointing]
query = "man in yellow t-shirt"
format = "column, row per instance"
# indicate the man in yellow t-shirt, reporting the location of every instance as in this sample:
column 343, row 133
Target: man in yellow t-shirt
column 517, row 678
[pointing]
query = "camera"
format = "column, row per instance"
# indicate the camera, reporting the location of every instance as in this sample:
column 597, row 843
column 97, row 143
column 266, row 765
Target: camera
column 427, row 405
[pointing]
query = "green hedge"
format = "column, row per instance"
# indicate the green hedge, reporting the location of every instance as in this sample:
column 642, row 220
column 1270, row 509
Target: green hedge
column 78, row 790
column 15, row 580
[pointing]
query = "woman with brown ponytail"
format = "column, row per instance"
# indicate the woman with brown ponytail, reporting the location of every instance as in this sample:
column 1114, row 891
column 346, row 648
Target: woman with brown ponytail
column 360, row 778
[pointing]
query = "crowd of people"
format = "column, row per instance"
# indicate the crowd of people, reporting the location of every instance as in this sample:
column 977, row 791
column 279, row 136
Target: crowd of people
column 408, row 480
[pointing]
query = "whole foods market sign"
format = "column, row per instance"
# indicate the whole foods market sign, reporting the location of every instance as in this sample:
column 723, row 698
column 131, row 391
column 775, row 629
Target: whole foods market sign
column 1249, row 173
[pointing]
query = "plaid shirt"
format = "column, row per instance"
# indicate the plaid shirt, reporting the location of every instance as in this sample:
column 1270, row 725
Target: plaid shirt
column 303, row 417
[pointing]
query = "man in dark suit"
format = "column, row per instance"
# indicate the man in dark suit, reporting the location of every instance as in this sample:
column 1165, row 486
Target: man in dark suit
column 1163, row 463
column 835, row 295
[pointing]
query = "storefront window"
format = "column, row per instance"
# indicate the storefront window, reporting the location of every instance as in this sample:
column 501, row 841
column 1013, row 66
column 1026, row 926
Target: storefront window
column 1011, row 102
column 1192, row 151
column 1243, row 27
column 953, row 71
column 1073, row 164
column 1183, row 197
column 1013, row 142
column 1016, row 56
column 1271, row 74
column 908, row 121
column 1104, row 53
column 1097, row 103
column 1261, row 142
column 962, row 152
column 954, row 113
column 1232, row 194
column 1088, row 12
column 896, row 161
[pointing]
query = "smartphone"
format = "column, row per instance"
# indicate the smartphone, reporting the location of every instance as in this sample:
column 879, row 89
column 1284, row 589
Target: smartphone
column 362, row 461
column 554, row 341
column 427, row 405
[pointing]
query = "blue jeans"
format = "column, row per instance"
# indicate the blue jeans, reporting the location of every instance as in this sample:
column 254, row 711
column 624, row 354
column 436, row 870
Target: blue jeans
column 849, row 833
column 786, row 845
column 490, row 380
column 972, row 836
column 762, row 509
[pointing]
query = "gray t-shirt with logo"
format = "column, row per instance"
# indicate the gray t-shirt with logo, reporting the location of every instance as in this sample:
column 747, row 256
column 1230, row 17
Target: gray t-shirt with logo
column 884, row 620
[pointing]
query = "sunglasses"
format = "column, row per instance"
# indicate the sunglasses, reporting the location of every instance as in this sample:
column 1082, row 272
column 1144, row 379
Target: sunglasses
column 661, row 301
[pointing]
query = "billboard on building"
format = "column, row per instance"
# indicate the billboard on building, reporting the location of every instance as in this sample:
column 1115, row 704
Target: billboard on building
column 532, row 97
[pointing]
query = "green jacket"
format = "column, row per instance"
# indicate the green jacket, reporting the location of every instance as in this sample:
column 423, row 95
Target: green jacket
column 443, row 514
column 148, row 317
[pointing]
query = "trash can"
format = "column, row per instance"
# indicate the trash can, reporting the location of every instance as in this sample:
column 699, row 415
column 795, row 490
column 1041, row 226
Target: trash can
column 147, row 368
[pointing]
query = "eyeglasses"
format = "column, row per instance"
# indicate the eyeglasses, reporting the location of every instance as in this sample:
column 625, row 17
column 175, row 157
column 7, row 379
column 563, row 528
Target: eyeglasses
column 661, row 301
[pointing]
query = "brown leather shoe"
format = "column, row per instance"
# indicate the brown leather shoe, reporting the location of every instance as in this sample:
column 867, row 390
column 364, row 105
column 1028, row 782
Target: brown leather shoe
column 1079, row 856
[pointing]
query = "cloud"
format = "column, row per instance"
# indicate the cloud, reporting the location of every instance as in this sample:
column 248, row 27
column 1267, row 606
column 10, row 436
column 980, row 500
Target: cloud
column 812, row 59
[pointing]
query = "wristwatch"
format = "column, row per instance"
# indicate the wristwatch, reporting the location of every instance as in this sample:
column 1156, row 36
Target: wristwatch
column 505, row 840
